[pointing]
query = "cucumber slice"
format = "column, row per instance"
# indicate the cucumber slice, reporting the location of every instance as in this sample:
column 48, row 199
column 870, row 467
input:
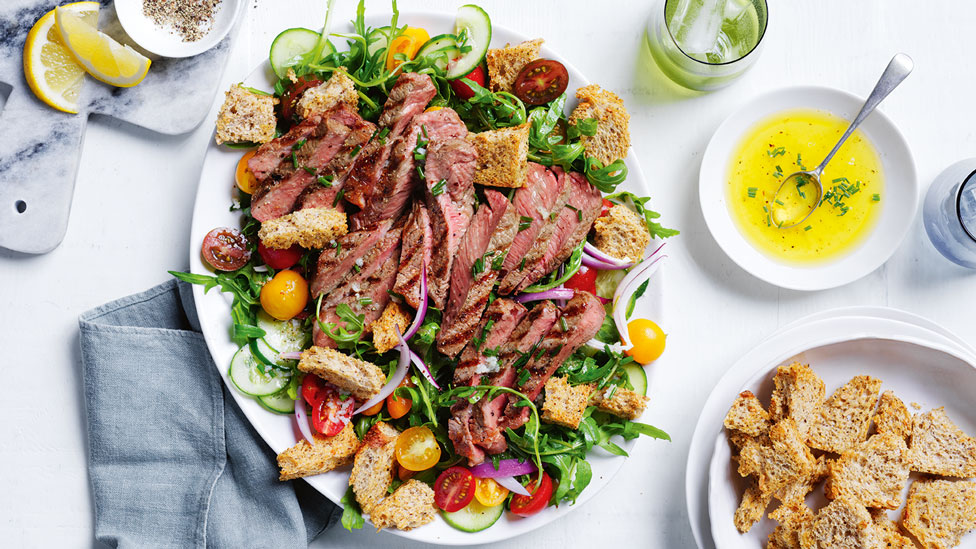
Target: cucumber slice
column 637, row 376
column 247, row 375
column 474, row 517
column 441, row 49
column 290, row 45
column 476, row 26
column 281, row 336
column 279, row 403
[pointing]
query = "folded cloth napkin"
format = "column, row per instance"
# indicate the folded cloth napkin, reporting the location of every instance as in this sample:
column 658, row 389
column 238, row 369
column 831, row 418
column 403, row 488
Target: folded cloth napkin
column 173, row 461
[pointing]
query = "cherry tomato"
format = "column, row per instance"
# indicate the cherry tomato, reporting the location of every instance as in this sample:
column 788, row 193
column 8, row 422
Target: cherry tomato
column 294, row 93
column 373, row 410
column 245, row 180
column 489, row 493
column 462, row 90
column 541, row 81
column 285, row 295
column 417, row 449
column 280, row 259
column 332, row 413
column 312, row 389
column 647, row 339
column 404, row 474
column 396, row 406
column 605, row 210
column 584, row 280
column 225, row 249
column 408, row 44
column 526, row 506
column 454, row 489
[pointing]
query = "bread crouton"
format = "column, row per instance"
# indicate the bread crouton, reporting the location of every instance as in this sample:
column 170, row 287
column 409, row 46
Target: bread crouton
column 337, row 89
column 384, row 336
column 502, row 156
column 360, row 378
column 892, row 416
column 612, row 138
column 411, row 505
column 506, row 63
column 747, row 415
column 246, row 117
column 305, row 459
column 844, row 418
column 889, row 535
column 309, row 228
column 797, row 491
column 792, row 518
column 751, row 509
column 372, row 469
column 777, row 460
column 872, row 472
column 564, row 405
column 798, row 393
column 939, row 447
column 621, row 234
column 621, row 402
column 939, row 512
column 842, row 524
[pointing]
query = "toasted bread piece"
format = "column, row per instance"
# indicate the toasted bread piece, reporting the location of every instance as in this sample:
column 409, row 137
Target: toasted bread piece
column 384, row 334
column 502, row 156
column 360, row 378
column 506, row 63
column 337, row 89
column 621, row 234
column 246, row 117
column 411, row 505
column 621, row 402
column 939, row 512
column 779, row 459
column 309, row 228
column 892, row 416
column 873, row 472
column 939, row 447
column 797, row 491
column 889, row 535
column 792, row 518
column 372, row 469
column 564, row 405
column 612, row 138
column 751, row 508
column 798, row 393
column 842, row 524
column 845, row 417
column 328, row 453
column 747, row 415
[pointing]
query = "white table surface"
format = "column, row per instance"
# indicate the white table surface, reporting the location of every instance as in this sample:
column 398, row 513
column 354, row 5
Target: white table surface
column 132, row 206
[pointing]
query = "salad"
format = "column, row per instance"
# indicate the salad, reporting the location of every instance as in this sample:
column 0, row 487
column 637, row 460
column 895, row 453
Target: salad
column 435, row 274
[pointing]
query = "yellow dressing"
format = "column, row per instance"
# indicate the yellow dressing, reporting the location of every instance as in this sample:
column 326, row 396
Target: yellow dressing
column 775, row 143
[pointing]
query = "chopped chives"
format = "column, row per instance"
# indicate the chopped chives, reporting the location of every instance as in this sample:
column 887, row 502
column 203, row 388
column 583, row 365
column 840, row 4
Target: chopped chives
column 310, row 171
column 752, row 192
column 338, row 197
column 780, row 202
column 438, row 188
column 355, row 150
column 807, row 228
column 294, row 159
column 325, row 180
column 876, row 197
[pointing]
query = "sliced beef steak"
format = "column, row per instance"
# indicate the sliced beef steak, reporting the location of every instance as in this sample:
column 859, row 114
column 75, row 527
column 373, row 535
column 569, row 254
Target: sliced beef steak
column 339, row 262
column 408, row 98
column 481, row 356
column 534, row 202
column 414, row 255
column 271, row 154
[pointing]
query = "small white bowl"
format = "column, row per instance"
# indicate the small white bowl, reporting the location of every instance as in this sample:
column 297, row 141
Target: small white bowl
column 899, row 202
column 163, row 41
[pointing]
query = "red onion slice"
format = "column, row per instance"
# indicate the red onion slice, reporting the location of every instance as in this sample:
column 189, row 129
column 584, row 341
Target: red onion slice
column 506, row 468
column 595, row 253
column 599, row 265
column 640, row 273
column 513, row 485
column 419, row 363
column 418, row 319
column 398, row 375
column 302, row 419
column 296, row 355
column 555, row 293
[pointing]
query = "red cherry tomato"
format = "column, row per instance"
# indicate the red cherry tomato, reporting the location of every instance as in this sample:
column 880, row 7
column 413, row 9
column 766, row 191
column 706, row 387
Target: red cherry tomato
column 332, row 413
column 290, row 99
column 312, row 387
column 462, row 90
column 541, row 81
column 584, row 280
column 280, row 259
column 225, row 249
column 606, row 207
column 454, row 489
column 526, row 506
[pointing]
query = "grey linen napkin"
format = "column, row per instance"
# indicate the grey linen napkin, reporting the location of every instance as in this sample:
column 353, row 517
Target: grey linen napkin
column 173, row 461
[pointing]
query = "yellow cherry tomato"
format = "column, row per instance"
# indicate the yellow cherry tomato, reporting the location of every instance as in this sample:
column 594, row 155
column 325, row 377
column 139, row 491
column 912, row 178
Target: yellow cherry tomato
column 647, row 339
column 396, row 406
column 489, row 493
column 285, row 295
column 434, row 108
column 373, row 410
column 408, row 44
column 245, row 180
column 417, row 449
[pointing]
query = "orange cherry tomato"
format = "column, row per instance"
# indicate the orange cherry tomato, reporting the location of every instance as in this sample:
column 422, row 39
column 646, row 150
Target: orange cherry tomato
column 489, row 493
column 375, row 409
column 404, row 474
column 245, row 180
column 434, row 108
column 398, row 407
column 417, row 449
column 408, row 43
column 647, row 339
column 285, row 295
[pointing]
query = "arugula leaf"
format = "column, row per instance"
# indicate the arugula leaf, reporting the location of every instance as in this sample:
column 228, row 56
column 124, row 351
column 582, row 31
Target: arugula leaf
column 635, row 296
column 640, row 206
column 352, row 516
column 608, row 332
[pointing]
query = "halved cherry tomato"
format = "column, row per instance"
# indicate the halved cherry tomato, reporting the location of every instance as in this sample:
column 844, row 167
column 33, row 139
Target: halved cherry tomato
column 454, row 489
column 605, row 210
column 373, row 410
column 396, row 406
column 434, row 108
column 332, row 413
column 489, row 493
column 225, row 249
column 294, row 93
column 462, row 90
column 312, row 389
column 584, row 280
column 280, row 259
column 285, row 295
column 245, row 180
column 648, row 340
column 408, row 44
column 417, row 449
column 541, row 81
column 526, row 506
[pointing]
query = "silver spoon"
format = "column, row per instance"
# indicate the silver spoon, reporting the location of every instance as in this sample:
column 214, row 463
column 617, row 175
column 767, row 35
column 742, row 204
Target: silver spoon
column 898, row 68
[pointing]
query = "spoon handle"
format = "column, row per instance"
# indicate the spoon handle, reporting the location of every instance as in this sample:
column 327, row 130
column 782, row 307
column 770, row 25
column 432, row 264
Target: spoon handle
column 898, row 68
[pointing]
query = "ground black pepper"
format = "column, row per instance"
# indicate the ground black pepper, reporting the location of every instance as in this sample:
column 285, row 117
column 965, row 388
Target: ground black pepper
column 190, row 19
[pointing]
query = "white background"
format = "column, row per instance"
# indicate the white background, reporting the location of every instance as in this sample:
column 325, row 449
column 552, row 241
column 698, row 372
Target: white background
column 131, row 218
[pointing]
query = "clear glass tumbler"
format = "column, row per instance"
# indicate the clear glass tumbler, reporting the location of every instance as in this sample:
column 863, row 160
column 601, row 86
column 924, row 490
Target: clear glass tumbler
column 950, row 213
column 705, row 44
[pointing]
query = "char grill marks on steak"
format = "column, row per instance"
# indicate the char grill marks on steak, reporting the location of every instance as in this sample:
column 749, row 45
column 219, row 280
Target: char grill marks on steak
column 475, row 270
column 414, row 255
column 269, row 155
column 534, row 202
column 339, row 262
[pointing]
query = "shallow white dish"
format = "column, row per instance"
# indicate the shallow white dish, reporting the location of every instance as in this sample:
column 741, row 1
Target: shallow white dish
column 899, row 202
column 279, row 431
column 167, row 43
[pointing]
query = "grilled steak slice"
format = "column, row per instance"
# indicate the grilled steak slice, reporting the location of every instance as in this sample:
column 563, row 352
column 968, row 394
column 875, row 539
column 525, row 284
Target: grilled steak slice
column 475, row 271
column 339, row 262
column 323, row 195
column 414, row 255
column 497, row 324
column 533, row 202
column 408, row 98
column 572, row 224
column 271, row 154
column 459, row 431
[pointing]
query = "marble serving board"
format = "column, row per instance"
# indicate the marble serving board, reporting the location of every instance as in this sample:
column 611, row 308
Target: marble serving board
column 40, row 147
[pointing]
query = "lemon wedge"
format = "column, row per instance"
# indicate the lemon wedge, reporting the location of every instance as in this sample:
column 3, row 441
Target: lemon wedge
column 51, row 71
column 102, row 57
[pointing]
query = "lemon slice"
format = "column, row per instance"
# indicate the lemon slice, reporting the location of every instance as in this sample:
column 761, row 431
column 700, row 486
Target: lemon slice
column 51, row 71
column 102, row 57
